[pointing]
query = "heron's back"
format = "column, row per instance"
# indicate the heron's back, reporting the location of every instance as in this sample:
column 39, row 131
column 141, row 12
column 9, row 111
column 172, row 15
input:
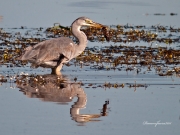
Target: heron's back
column 49, row 50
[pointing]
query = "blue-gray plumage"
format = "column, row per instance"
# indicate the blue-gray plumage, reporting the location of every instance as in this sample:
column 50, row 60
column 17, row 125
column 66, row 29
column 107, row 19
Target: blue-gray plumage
column 54, row 53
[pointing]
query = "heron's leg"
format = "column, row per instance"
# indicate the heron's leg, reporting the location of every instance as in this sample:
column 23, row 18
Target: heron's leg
column 57, row 69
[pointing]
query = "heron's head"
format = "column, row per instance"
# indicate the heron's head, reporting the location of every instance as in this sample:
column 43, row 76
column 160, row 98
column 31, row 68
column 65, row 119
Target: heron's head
column 84, row 21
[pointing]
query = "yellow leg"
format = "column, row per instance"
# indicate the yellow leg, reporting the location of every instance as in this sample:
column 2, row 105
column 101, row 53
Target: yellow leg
column 57, row 69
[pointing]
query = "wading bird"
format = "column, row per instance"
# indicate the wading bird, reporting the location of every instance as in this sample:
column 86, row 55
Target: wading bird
column 54, row 53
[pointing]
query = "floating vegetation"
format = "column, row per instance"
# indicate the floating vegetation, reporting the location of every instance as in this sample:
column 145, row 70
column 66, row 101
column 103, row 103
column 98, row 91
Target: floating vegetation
column 130, row 47
column 129, row 58
column 41, row 80
column 2, row 79
column 122, row 34
column 161, row 14
column 51, row 82
column 45, row 84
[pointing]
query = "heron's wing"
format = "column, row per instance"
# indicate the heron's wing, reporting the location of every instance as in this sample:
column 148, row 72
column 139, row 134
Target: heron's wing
column 52, row 49
column 29, row 53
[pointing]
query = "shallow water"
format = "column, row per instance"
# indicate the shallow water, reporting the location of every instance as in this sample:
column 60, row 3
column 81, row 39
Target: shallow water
column 143, row 97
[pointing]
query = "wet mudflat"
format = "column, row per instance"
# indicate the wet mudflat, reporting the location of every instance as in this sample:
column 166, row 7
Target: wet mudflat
column 127, row 83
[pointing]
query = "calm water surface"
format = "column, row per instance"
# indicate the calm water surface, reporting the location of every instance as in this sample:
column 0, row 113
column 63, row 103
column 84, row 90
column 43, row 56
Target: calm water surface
column 74, row 109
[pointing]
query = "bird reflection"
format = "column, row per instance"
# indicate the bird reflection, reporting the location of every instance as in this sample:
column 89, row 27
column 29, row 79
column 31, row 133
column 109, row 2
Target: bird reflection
column 61, row 90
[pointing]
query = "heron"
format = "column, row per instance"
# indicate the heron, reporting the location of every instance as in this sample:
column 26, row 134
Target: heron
column 54, row 53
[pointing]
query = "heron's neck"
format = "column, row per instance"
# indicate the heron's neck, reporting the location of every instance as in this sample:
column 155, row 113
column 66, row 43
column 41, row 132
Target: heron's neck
column 80, row 35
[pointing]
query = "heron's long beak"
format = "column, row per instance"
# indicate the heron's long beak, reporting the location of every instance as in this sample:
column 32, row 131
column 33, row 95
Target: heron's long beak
column 97, row 25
